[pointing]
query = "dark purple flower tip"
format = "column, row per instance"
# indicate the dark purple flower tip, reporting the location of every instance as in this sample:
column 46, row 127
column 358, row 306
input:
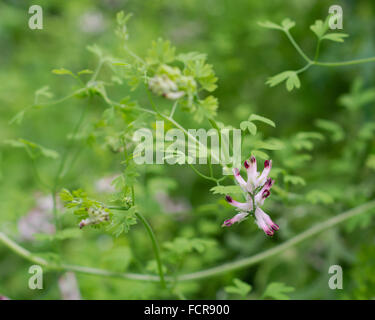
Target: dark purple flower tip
column 266, row 163
column 269, row 182
column 266, row 193
column 227, row 223
column 246, row 164
column 252, row 159
column 236, row 171
column 81, row 224
column 269, row 233
column 228, row 198
column 275, row 227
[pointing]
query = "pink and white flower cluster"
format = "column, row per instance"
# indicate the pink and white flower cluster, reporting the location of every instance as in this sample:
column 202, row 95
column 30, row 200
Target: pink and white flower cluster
column 257, row 189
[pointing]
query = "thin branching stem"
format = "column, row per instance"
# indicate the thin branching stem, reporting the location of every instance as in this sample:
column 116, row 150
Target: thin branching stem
column 344, row 63
column 173, row 109
column 155, row 247
column 207, row 273
column 320, row 63
column 297, row 47
column 150, row 232
column 201, row 174
column 62, row 166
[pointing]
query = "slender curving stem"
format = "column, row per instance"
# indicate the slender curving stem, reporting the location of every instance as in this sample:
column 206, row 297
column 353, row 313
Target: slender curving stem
column 320, row 63
column 226, row 267
column 344, row 63
column 155, row 247
column 297, row 47
column 62, row 165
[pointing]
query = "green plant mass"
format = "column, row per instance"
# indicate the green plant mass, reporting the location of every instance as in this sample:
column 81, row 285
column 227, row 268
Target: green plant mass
column 187, row 150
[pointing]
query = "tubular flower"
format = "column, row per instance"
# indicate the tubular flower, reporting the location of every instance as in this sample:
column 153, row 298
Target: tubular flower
column 164, row 86
column 95, row 216
column 257, row 189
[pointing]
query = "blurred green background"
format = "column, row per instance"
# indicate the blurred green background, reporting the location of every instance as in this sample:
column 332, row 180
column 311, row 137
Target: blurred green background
column 337, row 170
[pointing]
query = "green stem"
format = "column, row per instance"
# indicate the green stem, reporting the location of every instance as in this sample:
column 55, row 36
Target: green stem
column 304, row 68
column 173, row 109
column 297, row 47
column 38, row 177
column 97, row 70
column 317, row 50
column 153, row 105
column 322, row 64
column 201, row 174
column 133, row 196
column 172, row 121
column 62, row 165
column 226, row 267
column 253, row 200
column 344, row 63
column 21, row 251
column 309, row 233
column 155, row 247
column 134, row 55
column 210, row 168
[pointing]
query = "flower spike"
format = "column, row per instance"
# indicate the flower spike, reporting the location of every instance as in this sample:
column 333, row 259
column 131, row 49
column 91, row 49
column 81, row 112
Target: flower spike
column 251, row 188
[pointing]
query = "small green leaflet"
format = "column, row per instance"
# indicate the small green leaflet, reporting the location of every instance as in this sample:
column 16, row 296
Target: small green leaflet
column 161, row 52
column 318, row 196
column 260, row 154
column 286, row 25
column 191, row 56
column 358, row 96
column 122, row 221
column 85, row 71
column 302, row 140
column 202, row 72
column 225, row 189
column 293, row 82
column 122, row 30
column 206, row 108
column 291, row 78
column 249, row 126
column 319, row 28
column 271, row 144
column 269, row 25
column 95, row 50
column 337, row 37
column 255, row 117
column 63, row 71
column 44, row 91
column 295, row 180
column 277, row 290
column 337, row 132
column 32, row 149
column 241, row 288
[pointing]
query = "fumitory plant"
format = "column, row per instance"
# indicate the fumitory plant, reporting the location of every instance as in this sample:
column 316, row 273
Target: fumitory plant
column 127, row 92
column 257, row 189
column 322, row 32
